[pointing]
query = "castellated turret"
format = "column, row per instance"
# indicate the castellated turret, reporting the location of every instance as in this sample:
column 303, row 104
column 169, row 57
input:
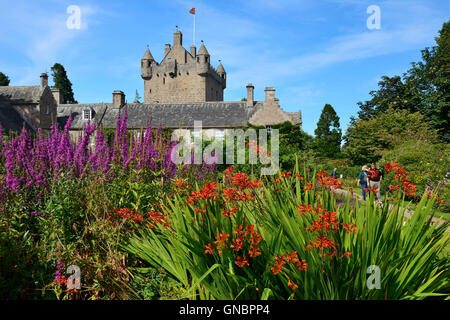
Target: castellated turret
column 221, row 72
column 203, row 60
column 182, row 76
column 146, row 65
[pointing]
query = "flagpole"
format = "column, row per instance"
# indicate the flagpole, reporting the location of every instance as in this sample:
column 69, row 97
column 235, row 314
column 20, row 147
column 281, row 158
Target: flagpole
column 194, row 29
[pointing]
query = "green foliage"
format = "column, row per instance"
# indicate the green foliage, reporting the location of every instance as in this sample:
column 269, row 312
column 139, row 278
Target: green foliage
column 4, row 80
column 427, row 164
column 62, row 82
column 367, row 140
column 424, row 88
column 328, row 133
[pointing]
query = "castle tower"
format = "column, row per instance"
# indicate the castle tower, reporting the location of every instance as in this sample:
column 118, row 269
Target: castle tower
column 182, row 76
column 146, row 65
column 222, row 74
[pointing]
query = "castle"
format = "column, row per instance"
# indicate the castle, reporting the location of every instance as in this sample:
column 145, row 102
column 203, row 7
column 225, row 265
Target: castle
column 182, row 76
column 184, row 87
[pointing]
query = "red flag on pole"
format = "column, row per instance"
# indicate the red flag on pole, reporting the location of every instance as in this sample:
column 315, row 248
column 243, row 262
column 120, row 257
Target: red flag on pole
column 192, row 11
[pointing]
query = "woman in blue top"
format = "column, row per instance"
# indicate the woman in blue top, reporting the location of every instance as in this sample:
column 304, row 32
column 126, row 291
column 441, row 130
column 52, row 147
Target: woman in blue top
column 363, row 178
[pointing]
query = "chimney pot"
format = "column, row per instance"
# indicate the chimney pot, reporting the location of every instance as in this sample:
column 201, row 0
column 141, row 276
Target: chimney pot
column 44, row 80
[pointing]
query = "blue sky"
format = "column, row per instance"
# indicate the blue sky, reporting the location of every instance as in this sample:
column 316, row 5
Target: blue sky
column 312, row 52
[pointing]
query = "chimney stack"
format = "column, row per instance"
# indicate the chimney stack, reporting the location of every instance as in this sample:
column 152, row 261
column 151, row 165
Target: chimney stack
column 44, row 80
column 270, row 94
column 118, row 99
column 250, row 97
column 167, row 49
column 57, row 95
column 193, row 51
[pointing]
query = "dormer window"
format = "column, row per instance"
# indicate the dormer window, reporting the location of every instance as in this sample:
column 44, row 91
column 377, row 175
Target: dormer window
column 87, row 114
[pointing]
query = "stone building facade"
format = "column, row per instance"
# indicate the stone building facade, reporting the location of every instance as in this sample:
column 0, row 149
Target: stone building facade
column 32, row 106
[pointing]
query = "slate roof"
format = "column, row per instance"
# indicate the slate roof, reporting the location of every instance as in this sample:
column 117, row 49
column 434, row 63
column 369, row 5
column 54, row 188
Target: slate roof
column 21, row 94
column 217, row 114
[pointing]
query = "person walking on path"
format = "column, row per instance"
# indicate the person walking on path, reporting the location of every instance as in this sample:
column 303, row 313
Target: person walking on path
column 335, row 173
column 375, row 178
column 363, row 179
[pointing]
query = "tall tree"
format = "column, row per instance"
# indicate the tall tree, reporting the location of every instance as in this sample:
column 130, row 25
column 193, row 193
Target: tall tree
column 328, row 133
column 62, row 82
column 424, row 88
column 4, row 80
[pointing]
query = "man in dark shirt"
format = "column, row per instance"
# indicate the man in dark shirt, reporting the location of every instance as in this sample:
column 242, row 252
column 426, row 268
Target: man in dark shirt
column 375, row 179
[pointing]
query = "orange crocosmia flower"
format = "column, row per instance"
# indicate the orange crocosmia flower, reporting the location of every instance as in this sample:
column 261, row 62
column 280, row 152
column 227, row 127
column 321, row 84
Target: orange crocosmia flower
column 388, row 166
column 347, row 255
column 299, row 177
column 293, row 258
column 279, row 262
column 302, row 208
column 302, row 265
column 237, row 244
column 349, row 227
column 209, row 249
column 293, row 286
column 309, row 186
column 254, row 251
column 241, row 262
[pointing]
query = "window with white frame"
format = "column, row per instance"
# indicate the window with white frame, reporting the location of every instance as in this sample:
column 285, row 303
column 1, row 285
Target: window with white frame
column 87, row 113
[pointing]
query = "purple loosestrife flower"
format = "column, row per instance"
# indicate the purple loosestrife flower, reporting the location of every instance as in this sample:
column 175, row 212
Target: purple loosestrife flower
column 58, row 273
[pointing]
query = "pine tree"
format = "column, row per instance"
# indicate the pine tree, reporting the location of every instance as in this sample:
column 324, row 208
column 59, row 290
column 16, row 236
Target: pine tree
column 4, row 80
column 138, row 98
column 62, row 82
column 328, row 133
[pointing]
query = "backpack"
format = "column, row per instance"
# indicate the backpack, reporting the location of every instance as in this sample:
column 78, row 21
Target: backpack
column 362, row 177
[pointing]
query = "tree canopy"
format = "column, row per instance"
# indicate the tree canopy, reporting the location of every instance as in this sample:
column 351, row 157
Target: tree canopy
column 62, row 82
column 4, row 80
column 328, row 133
